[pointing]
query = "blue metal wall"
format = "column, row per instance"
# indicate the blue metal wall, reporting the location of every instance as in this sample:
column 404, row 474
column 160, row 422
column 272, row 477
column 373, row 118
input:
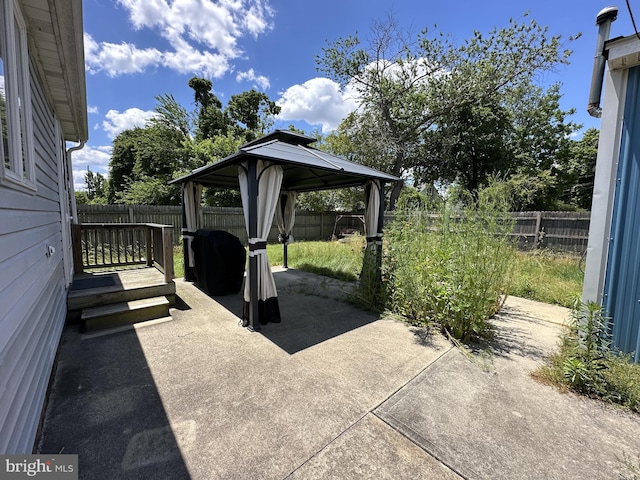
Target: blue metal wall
column 622, row 286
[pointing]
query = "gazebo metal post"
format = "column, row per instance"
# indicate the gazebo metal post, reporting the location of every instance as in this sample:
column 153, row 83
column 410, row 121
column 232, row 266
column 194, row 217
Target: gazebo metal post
column 285, row 255
column 252, row 180
column 285, row 244
column 188, row 271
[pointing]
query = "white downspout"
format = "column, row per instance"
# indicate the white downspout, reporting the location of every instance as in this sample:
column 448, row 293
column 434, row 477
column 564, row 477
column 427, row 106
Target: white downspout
column 74, row 208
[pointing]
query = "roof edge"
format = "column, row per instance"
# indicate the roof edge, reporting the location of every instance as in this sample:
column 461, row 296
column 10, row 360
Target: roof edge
column 285, row 136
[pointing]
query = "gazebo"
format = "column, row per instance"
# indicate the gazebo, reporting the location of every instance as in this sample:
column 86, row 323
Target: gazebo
column 270, row 172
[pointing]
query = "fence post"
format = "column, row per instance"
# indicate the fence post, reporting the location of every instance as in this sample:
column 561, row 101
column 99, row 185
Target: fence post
column 131, row 216
column 76, row 242
column 536, row 238
column 167, row 252
column 150, row 252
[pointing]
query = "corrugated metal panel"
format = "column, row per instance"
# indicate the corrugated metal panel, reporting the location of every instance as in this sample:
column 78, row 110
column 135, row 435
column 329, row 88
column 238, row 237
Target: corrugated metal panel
column 622, row 285
column 32, row 290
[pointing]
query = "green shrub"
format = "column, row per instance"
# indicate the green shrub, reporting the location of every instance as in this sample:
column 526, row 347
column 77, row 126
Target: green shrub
column 451, row 268
column 586, row 364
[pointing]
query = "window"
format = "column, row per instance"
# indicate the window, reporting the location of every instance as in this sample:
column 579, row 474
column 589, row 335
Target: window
column 17, row 166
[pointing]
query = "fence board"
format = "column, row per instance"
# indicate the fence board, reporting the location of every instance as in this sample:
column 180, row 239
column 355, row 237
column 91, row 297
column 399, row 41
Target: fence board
column 559, row 231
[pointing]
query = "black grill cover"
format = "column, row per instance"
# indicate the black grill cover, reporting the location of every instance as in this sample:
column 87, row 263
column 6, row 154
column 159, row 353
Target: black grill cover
column 219, row 262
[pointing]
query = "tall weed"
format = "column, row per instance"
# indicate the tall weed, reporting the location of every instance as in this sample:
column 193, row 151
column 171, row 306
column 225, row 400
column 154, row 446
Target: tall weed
column 587, row 364
column 452, row 267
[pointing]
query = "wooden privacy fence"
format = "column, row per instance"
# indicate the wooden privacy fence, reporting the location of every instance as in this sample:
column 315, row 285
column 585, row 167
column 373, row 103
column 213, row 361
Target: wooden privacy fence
column 309, row 226
column 558, row 231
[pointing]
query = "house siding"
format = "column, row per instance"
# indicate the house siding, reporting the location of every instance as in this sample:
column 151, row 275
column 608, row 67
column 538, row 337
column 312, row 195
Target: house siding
column 32, row 286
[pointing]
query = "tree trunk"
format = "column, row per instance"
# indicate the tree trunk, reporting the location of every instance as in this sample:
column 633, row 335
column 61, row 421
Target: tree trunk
column 395, row 193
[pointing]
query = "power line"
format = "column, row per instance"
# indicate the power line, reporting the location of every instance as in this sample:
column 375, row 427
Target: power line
column 633, row 22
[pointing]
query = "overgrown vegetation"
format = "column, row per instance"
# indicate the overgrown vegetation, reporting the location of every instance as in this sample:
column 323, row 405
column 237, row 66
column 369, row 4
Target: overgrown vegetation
column 451, row 269
column 539, row 275
column 585, row 363
column 547, row 277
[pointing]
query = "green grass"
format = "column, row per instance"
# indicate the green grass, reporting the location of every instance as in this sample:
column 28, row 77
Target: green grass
column 341, row 260
column 178, row 262
column 547, row 277
column 541, row 275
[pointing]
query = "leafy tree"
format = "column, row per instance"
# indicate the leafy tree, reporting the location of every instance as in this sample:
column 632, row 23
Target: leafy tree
column 172, row 115
column 200, row 153
column 253, row 113
column 578, row 172
column 539, row 137
column 175, row 142
column 211, row 120
column 468, row 146
column 81, row 197
column 151, row 191
column 222, row 197
column 122, row 162
column 96, row 186
column 140, row 155
column 410, row 88
column 340, row 200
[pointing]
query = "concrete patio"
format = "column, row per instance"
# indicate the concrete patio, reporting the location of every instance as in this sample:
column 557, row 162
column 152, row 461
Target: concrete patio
column 331, row 392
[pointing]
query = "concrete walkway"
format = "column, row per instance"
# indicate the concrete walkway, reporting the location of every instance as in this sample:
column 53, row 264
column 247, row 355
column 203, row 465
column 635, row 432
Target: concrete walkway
column 331, row 392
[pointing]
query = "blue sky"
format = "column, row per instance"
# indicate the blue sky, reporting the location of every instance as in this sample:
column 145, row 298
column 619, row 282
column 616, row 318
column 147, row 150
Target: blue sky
column 138, row 49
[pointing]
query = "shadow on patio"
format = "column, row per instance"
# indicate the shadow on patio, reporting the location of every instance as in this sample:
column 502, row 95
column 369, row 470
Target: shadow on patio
column 321, row 315
column 106, row 408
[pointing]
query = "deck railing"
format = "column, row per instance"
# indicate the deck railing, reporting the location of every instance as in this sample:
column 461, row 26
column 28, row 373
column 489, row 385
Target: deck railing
column 112, row 245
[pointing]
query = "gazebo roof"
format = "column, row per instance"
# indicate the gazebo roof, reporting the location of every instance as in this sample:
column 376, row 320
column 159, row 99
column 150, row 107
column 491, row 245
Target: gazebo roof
column 305, row 168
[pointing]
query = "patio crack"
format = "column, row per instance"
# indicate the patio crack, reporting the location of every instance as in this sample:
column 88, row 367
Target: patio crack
column 372, row 412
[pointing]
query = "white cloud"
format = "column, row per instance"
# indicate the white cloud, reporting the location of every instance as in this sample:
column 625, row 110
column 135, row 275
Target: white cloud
column 186, row 59
column 317, row 101
column 203, row 35
column 117, row 121
column 257, row 18
column 259, row 81
column 117, row 59
column 92, row 109
column 94, row 158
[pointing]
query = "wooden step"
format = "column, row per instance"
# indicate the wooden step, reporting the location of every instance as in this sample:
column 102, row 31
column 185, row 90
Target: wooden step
column 77, row 300
column 118, row 314
column 101, row 288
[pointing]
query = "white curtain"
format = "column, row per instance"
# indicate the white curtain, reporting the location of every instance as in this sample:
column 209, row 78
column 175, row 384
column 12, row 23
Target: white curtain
column 269, row 182
column 372, row 212
column 191, row 196
column 370, row 276
column 286, row 217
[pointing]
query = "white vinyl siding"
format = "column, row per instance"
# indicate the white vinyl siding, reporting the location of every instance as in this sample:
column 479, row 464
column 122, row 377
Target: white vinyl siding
column 33, row 286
